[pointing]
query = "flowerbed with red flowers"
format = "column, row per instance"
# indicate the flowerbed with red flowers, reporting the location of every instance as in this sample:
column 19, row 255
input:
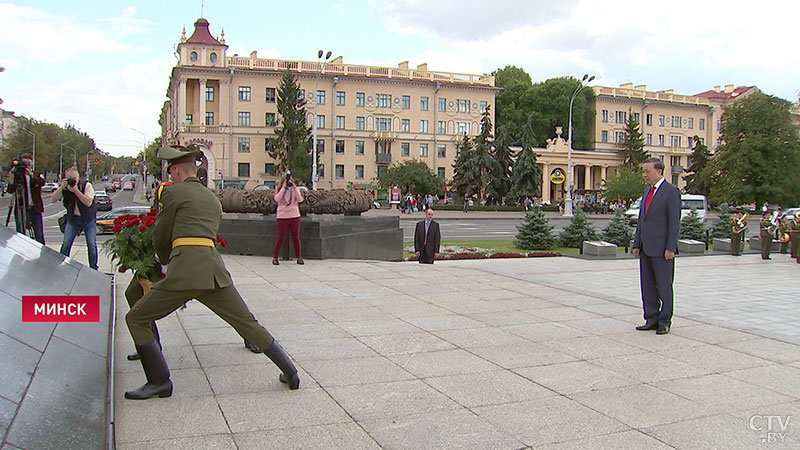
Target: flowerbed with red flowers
column 450, row 253
column 131, row 247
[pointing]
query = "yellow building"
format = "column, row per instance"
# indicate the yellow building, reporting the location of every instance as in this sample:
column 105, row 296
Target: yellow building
column 368, row 117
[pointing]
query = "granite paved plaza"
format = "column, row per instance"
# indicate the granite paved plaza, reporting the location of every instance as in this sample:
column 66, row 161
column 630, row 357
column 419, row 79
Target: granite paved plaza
column 491, row 354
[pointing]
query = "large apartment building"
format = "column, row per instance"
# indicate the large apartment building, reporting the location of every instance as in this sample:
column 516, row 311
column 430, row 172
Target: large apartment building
column 368, row 117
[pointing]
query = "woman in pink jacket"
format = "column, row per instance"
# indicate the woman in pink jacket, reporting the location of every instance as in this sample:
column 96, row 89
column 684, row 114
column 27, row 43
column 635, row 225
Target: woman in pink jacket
column 288, row 216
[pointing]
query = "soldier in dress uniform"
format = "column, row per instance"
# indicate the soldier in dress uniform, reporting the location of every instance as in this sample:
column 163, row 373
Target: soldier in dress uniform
column 783, row 234
column 184, row 236
column 766, row 234
column 737, row 232
column 794, row 232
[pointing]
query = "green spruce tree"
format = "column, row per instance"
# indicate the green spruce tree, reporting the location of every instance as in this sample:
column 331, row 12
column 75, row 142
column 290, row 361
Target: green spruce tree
column 503, row 160
column 291, row 146
column 465, row 169
column 578, row 230
column 696, row 179
column 618, row 231
column 632, row 147
column 692, row 227
column 484, row 149
column 722, row 226
column 535, row 232
column 526, row 176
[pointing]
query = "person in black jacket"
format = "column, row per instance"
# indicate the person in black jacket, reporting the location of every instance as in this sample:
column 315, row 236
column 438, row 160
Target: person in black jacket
column 33, row 198
column 427, row 239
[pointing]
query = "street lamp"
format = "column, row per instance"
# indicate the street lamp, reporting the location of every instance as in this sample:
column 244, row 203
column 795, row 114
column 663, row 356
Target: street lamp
column 320, row 64
column 144, row 149
column 568, row 202
column 33, row 166
column 61, row 159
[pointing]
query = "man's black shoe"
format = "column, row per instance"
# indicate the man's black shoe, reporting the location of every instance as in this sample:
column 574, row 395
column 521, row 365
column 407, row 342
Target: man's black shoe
column 647, row 327
column 664, row 329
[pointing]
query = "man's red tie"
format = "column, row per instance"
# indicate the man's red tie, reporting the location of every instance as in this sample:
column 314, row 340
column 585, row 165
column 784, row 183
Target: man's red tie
column 649, row 198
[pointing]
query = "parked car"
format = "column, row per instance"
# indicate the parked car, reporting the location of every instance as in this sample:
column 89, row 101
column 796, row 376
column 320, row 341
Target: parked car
column 49, row 187
column 790, row 212
column 102, row 201
column 689, row 202
column 105, row 222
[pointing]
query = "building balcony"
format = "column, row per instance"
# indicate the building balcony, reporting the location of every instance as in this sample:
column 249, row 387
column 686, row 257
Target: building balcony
column 202, row 129
column 383, row 158
column 382, row 135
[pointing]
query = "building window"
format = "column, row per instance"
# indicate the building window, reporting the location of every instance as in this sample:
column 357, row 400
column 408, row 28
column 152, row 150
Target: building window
column 636, row 117
column 483, row 105
column 661, row 120
column 688, row 141
column 423, row 126
column 604, row 115
column 209, row 93
column 423, row 150
column 440, row 171
column 359, row 99
column 383, row 147
column 676, row 121
column 404, row 149
column 691, row 122
column 244, row 119
column 359, row 123
column 340, row 171
column 270, row 95
column 463, row 127
column 675, row 178
column 339, row 147
column 301, row 95
column 649, row 119
column 442, row 151
column 620, row 137
column 188, row 119
column 320, row 146
column 674, row 161
column 661, row 140
column 244, row 145
column 359, row 172
column 719, row 124
column 604, row 136
column 193, row 56
column 442, row 104
column 622, row 116
column 339, row 98
column 382, row 170
column 463, row 105
column 676, row 141
column 320, row 121
column 383, row 123
column 701, row 141
column 441, row 127
column 269, row 119
column 244, row 170
column 405, row 125
column 209, row 118
column 383, row 100
column 269, row 168
column 423, row 103
column 406, row 102
column 321, row 171
column 719, row 142
column 267, row 145
column 244, row 93
column 320, row 97
column 702, row 124
column 649, row 139
column 340, row 122
column 359, row 147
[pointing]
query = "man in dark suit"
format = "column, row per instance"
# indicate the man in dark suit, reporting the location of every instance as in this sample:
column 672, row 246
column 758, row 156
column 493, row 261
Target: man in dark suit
column 427, row 238
column 655, row 244
column 31, row 196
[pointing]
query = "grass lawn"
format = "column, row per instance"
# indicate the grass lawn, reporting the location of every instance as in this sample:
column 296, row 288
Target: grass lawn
column 498, row 245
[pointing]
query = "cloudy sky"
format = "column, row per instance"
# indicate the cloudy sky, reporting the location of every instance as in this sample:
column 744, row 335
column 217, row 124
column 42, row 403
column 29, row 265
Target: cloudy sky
column 103, row 66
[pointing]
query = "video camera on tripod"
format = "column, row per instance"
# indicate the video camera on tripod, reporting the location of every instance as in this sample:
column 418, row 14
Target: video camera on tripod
column 20, row 206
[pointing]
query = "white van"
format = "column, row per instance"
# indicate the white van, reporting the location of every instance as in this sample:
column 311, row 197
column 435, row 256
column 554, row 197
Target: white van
column 688, row 202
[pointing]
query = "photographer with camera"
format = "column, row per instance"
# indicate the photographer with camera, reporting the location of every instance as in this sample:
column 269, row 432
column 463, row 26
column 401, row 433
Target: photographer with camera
column 288, row 216
column 28, row 207
column 77, row 195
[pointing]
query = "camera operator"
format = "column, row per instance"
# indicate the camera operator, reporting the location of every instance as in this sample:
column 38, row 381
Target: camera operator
column 288, row 216
column 28, row 207
column 77, row 195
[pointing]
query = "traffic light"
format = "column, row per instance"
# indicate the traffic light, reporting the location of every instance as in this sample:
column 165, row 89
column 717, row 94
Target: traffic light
column 133, row 163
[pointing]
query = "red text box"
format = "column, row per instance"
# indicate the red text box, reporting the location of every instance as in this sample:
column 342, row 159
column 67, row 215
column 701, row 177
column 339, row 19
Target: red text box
column 60, row 308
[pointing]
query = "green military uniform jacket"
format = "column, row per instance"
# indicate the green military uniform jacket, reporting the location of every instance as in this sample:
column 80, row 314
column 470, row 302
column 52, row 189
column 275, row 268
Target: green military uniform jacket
column 765, row 232
column 189, row 209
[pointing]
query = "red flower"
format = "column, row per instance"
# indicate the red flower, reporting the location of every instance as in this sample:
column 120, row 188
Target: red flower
column 132, row 222
column 149, row 220
column 117, row 227
column 221, row 241
column 142, row 228
column 123, row 269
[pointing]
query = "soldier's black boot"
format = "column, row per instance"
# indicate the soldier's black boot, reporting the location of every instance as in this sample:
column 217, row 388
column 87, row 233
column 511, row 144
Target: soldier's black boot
column 156, row 371
column 278, row 356
column 135, row 355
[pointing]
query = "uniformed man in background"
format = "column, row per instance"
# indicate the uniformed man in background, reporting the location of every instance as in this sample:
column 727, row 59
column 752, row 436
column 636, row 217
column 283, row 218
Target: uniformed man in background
column 184, row 237
column 766, row 234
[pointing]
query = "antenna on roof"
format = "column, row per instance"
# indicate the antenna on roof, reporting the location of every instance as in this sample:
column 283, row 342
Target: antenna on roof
column 202, row 5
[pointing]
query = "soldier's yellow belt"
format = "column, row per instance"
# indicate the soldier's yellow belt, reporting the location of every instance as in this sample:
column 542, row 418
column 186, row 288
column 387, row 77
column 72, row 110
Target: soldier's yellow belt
column 197, row 241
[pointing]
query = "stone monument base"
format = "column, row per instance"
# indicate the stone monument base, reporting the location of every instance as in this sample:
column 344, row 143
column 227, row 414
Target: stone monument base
column 321, row 237
column 691, row 246
column 755, row 244
column 599, row 248
column 723, row 245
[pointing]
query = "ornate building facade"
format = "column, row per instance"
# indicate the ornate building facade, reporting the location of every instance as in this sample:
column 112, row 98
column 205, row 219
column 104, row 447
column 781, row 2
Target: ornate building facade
column 368, row 117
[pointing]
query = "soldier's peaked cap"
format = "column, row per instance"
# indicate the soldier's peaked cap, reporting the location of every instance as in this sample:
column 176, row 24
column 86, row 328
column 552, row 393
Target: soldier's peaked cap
column 179, row 154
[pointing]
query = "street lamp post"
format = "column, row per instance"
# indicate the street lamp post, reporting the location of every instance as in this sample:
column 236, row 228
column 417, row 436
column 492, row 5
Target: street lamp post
column 61, row 159
column 144, row 149
column 568, row 201
column 320, row 64
column 33, row 165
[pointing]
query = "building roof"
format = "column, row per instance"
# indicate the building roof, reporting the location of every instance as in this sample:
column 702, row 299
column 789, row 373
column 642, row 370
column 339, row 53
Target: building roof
column 726, row 93
column 201, row 34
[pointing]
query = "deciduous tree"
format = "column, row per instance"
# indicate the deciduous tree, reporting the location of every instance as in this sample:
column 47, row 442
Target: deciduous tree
column 411, row 176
